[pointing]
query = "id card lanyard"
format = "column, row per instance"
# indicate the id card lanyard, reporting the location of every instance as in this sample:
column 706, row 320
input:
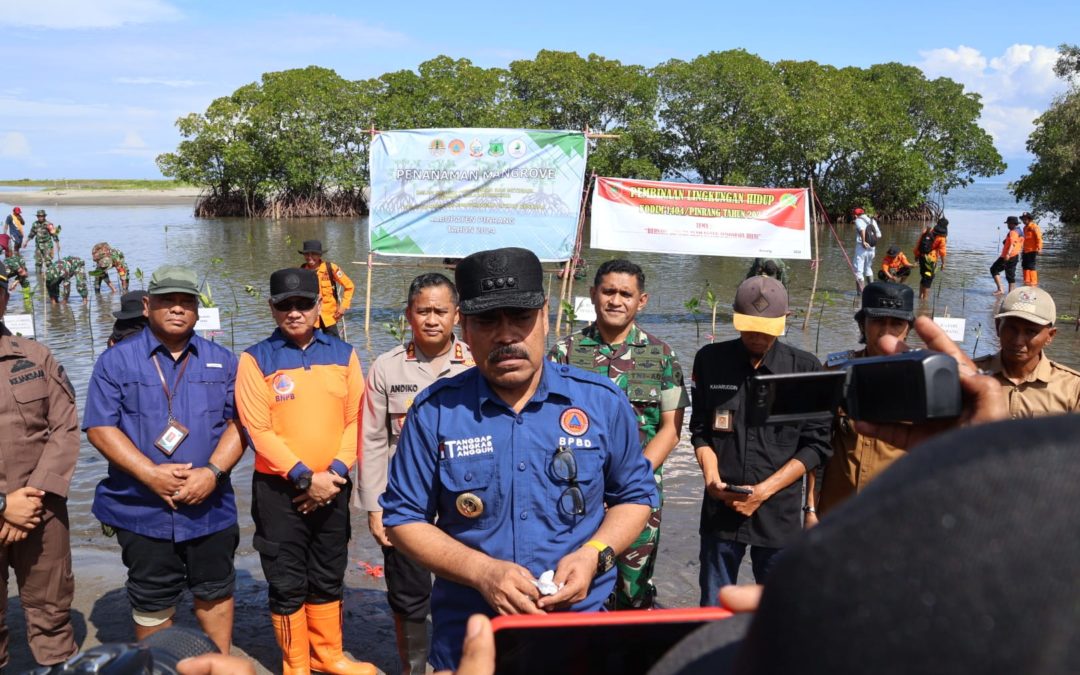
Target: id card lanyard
column 176, row 383
column 174, row 433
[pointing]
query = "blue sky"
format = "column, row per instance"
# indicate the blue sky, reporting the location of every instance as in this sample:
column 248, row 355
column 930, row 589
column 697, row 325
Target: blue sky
column 92, row 88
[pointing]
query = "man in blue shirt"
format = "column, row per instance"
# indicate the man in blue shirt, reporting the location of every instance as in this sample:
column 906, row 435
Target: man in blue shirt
column 503, row 472
column 160, row 408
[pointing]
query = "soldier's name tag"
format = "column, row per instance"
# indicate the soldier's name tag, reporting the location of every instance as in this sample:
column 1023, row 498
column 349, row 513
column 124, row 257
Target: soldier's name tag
column 723, row 420
column 171, row 438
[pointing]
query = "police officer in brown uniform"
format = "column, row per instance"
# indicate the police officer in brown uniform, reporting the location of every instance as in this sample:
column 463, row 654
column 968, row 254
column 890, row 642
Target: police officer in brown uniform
column 395, row 379
column 39, row 446
column 1034, row 385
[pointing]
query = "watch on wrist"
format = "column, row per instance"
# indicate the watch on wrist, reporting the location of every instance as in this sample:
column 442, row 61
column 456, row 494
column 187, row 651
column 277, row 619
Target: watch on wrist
column 219, row 475
column 3, row 503
column 809, row 509
column 303, row 481
column 607, row 556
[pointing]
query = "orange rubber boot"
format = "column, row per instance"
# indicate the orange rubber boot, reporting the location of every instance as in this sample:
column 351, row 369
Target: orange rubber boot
column 1034, row 278
column 291, row 631
column 324, row 632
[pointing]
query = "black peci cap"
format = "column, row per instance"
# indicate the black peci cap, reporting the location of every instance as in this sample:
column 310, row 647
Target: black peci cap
column 293, row 282
column 884, row 298
column 499, row 279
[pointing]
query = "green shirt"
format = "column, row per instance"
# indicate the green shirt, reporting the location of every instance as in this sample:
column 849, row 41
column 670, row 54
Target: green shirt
column 643, row 366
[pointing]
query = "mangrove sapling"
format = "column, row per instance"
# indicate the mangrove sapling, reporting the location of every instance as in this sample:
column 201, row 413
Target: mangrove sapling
column 570, row 314
column 826, row 299
column 397, row 328
column 694, row 306
column 978, row 334
column 713, row 302
column 139, row 277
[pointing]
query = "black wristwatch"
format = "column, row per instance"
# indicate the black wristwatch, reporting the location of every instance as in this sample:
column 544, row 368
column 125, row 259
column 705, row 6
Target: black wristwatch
column 219, row 475
column 303, row 481
column 606, row 560
column 3, row 503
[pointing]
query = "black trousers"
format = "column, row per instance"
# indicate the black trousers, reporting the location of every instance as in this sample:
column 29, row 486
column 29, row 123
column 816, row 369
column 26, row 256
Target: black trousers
column 408, row 585
column 1029, row 260
column 1009, row 266
column 303, row 556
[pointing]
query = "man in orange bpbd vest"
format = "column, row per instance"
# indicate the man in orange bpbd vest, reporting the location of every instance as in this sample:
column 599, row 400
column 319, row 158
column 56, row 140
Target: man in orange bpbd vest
column 1033, row 243
column 1010, row 255
column 330, row 277
column 298, row 394
column 895, row 267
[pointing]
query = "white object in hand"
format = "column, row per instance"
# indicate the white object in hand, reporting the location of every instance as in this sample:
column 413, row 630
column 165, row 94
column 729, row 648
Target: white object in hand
column 546, row 583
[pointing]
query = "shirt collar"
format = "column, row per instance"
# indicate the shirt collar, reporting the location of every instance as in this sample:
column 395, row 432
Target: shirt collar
column 151, row 344
column 550, row 383
column 592, row 337
column 1043, row 372
column 457, row 352
column 278, row 340
column 769, row 363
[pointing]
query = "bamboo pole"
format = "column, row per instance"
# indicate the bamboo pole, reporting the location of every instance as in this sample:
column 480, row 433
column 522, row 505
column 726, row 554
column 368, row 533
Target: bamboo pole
column 567, row 288
column 367, row 295
column 816, row 254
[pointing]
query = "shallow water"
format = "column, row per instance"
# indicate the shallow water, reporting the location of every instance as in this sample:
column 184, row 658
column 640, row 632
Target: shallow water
column 251, row 249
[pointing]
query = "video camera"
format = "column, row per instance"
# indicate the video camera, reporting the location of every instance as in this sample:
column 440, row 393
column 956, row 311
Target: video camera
column 914, row 387
column 156, row 655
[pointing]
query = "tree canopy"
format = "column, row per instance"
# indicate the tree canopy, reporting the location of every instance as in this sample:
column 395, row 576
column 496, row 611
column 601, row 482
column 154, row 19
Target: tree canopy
column 883, row 136
column 1052, row 183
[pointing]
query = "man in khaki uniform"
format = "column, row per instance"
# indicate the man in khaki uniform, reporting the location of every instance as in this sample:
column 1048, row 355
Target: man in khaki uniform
column 887, row 309
column 394, row 380
column 39, row 446
column 1034, row 385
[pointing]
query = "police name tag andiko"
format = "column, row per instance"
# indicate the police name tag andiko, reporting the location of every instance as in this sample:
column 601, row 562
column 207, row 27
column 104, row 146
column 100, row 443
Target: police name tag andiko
column 723, row 420
column 171, row 438
column 469, row 505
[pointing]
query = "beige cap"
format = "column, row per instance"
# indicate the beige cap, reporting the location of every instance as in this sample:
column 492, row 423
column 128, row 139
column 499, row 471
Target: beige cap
column 1031, row 304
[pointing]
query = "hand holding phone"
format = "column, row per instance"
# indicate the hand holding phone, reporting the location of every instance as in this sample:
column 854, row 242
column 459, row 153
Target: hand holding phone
column 738, row 489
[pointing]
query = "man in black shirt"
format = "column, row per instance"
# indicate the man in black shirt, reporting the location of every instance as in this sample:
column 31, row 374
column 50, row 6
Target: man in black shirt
column 769, row 460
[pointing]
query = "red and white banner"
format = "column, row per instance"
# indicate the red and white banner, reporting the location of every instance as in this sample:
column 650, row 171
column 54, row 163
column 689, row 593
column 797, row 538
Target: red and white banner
column 743, row 222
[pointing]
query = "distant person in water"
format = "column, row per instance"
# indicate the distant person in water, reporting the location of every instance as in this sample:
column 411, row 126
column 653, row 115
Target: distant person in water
column 895, row 267
column 60, row 273
column 1010, row 255
column 1033, row 244
column 13, row 226
column 929, row 249
column 769, row 267
column 108, row 257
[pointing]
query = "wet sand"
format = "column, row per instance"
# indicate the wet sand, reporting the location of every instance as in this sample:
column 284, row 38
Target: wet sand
column 42, row 198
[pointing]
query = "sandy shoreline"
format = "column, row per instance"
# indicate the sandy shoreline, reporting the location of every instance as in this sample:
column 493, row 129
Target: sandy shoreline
column 34, row 199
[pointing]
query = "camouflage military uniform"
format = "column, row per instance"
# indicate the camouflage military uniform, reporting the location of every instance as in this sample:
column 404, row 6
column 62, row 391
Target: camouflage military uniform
column 44, row 241
column 62, row 271
column 13, row 264
column 106, row 257
column 648, row 370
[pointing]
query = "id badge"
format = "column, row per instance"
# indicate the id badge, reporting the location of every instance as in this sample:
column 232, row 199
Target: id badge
column 171, row 438
column 723, row 420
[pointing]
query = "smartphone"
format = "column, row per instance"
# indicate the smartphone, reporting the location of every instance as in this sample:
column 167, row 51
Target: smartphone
column 624, row 642
column 739, row 489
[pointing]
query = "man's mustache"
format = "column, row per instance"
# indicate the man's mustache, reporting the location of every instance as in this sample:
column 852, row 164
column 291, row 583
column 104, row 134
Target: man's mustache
column 507, row 352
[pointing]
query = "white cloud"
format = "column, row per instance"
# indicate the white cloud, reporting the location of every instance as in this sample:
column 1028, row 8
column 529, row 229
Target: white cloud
column 132, row 140
column 1016, row 86
column 319, row 31
column 75, row 14
column 13, row 145
column 159, row 81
